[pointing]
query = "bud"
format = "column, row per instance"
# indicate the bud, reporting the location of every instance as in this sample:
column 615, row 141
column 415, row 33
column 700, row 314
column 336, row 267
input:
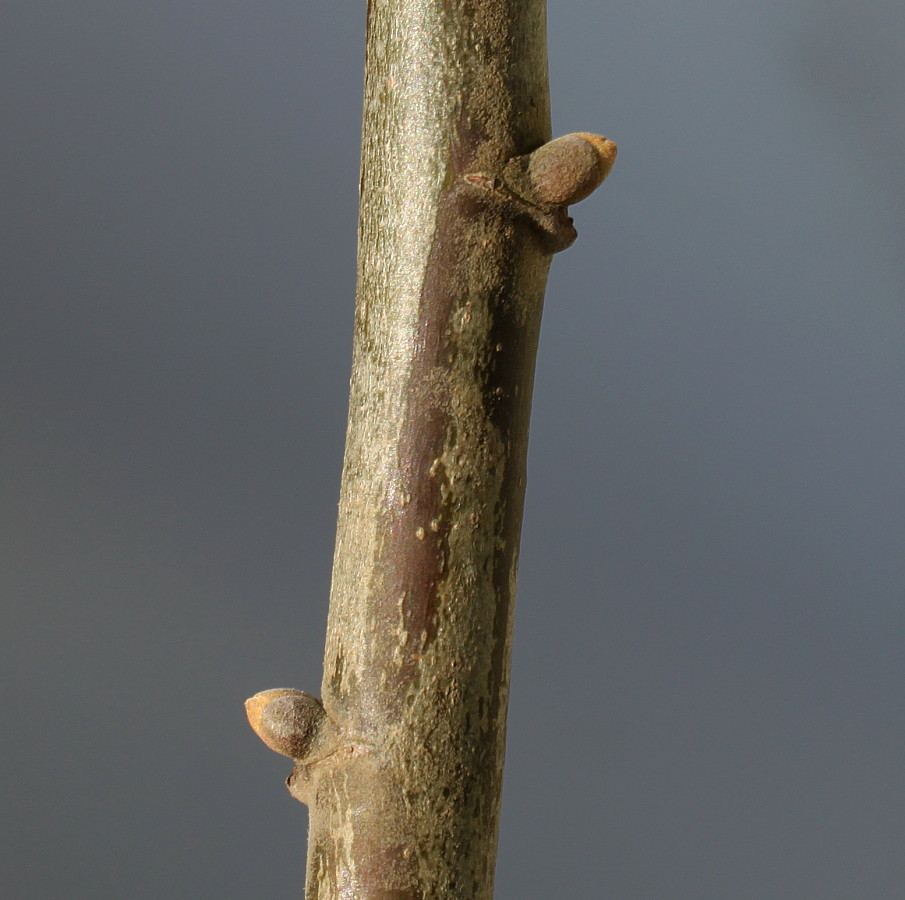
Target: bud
column 290, row 722
column 569, row 168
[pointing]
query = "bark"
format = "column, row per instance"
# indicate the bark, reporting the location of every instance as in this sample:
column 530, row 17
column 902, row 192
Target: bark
column 462, row 204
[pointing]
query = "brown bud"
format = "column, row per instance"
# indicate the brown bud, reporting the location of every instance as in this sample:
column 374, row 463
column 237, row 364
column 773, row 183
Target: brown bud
column 569, row 168
column 290, row 722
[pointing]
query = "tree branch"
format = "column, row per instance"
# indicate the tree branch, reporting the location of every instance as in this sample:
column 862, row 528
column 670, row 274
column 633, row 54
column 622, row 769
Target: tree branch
column 462, row 204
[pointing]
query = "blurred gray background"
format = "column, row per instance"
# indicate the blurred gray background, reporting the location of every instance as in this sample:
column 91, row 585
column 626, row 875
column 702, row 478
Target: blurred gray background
column 709, row 679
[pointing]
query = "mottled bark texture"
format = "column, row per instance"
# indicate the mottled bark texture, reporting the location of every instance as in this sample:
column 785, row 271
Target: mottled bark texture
column 462, row 205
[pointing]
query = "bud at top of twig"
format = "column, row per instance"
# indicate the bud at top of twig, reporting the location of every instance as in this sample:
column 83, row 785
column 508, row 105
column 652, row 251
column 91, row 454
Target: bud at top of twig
column 288, row 721
column 567, row 169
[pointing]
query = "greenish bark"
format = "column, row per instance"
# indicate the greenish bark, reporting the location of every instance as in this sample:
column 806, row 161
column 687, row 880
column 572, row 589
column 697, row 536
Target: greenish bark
column 462, row 204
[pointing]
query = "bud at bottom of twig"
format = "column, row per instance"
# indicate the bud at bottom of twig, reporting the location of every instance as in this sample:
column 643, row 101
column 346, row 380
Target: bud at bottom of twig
column 290, row 722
